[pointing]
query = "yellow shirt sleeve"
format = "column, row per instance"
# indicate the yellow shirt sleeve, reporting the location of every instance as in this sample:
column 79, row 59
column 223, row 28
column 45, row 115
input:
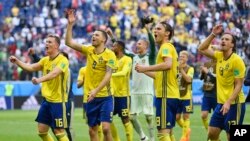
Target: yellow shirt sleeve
column 125, row 69
column 86, row 49
column 81, row 74
column 239, row 68
column 41, row 61
column 166, row 51
column 63, row 64
column 111, row 61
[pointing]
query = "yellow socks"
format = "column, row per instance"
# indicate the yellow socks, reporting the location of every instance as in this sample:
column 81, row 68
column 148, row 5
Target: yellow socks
column 172, row 137
column 114, row 132
column 180, row 122
column 129, row 131
column 46, row 136
column 100, row 133
column 62, row 137
column 186, row 129
column 205, row 123
column 163, row 137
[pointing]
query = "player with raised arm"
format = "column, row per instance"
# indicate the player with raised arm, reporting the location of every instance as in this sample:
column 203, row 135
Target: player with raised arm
column 55, row 69
column 97, row 95
column 230, row 70
column 164, row 73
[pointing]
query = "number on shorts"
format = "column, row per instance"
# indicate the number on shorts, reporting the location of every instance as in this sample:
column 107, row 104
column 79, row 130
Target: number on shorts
column 59, row 122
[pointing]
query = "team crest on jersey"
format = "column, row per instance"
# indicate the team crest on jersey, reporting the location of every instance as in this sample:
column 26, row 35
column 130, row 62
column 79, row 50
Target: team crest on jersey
column 143, row 61
column 227, row 66
column 94, row 64
column 53, row 66
column 100, row 60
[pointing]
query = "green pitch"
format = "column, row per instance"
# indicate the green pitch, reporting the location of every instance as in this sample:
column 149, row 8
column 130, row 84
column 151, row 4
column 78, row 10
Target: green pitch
column 17, row 125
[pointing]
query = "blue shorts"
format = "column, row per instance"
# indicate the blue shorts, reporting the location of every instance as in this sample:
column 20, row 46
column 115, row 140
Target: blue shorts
column 69, row 111
column 185, row 106
column 208, row 103
column 166, row 110
column 234, row 116
column 99, row 110
column 52, row 114
column 121, row 106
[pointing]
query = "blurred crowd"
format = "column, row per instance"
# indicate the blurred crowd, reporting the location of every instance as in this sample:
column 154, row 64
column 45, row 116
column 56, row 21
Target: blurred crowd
column 25, row 24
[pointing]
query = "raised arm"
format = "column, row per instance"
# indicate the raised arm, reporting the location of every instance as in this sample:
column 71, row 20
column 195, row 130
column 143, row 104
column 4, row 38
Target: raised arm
column 152, row 53
column 203, row 48
column 113, row 39
column 69, row 41
column 25, row 66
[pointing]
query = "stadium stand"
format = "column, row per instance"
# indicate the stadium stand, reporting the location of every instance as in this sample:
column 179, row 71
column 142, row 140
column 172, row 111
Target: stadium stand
column 25, row 23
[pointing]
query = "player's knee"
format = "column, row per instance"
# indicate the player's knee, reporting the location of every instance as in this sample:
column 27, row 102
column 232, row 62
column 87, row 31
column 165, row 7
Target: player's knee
column 211, row 135
column 203, row 116
column 105, row 130
column 92, row 132
column 178, row 116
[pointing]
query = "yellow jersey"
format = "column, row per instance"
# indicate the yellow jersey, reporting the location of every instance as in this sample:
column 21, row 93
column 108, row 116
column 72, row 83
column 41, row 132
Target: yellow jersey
column 165, row 82
column 81, row 74
column 96, row 69
column 55, row 90
column 188, row 95
column 121, row 78
column 227, row 71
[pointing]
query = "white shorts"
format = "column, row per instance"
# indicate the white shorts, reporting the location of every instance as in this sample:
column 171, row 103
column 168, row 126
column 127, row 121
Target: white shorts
column 142, row 103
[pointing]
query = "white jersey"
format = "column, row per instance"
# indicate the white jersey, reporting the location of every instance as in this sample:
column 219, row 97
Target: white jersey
column 141, row 83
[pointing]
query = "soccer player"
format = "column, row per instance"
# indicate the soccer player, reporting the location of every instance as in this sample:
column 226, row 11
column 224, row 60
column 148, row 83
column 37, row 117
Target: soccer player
column 55, row 68
column 230, row 70
column 185, row 107
column 142, row 92
column 209, row 90
column 70, row 104
column 164, row 73
column 97, row 95
column 142, row 85
column 80, row 83
column 121, row 90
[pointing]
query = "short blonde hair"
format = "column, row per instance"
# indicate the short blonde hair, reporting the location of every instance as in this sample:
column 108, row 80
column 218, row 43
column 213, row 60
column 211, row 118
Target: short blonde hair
column 184, row 52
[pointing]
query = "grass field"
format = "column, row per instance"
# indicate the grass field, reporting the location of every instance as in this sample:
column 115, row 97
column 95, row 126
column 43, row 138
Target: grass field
column 17, row 125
